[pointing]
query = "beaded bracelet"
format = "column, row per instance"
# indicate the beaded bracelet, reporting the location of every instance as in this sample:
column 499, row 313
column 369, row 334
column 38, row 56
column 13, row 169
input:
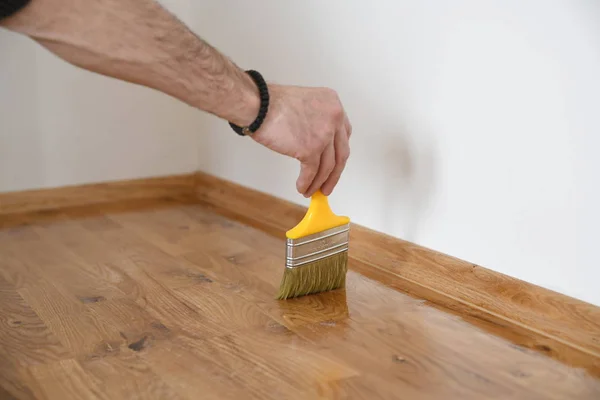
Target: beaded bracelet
column 264, row 106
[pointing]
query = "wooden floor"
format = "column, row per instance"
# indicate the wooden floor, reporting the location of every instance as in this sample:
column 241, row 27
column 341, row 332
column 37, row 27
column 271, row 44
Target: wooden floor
column 168, row 300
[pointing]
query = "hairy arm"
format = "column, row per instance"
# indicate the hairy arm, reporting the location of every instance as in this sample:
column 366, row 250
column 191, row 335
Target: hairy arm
column 139, row 41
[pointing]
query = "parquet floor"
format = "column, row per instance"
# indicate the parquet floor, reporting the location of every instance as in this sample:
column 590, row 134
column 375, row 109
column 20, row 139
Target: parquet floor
column 169, row 300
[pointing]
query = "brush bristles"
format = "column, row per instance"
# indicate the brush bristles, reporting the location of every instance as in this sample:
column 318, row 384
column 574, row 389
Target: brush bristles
column 315, row 277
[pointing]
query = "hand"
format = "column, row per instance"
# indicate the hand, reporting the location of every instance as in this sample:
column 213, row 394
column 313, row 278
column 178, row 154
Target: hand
column 310, row 125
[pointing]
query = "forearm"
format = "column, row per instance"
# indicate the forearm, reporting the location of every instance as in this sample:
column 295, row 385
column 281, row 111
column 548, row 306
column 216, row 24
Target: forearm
column 140, row 42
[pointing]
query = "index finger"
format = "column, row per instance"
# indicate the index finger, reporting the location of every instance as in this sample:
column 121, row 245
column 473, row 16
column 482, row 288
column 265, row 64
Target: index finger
column 342, row 152
column 308, row 171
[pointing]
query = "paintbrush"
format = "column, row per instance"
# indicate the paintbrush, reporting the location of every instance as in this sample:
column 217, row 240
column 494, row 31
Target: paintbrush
column 316, row 251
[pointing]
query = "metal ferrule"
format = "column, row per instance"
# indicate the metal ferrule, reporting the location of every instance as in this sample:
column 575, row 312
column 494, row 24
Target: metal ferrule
column 317, row 246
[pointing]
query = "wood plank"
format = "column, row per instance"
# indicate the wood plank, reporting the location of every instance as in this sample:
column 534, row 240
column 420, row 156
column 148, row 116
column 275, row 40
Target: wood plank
column 81, row 278
column 116, row 364
column 126, row 375
column 169, row 229
column 14, row 269
column 190, row 374
column 68, row 318
column 12, row 383
column 23, row 335
column 226, row 367
column 82, row 261
column 155, row 273
column 76, row 195
column 223, row 307
column 24, row 341
column 227, row 273
column 64, row 380
column 136, row 327
column 59, row 294
column 572, row 326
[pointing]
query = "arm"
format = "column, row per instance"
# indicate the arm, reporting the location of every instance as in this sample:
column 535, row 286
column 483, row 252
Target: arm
column 140, row 42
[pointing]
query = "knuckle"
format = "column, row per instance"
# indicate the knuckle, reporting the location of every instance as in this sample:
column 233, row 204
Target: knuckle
column 310, row 149
column 299, row 155
column 323, row 141
column 317, row 147
column 343, row 156
column 304, row 154
column 330, row 167
column 338, row 111
column 331, row 93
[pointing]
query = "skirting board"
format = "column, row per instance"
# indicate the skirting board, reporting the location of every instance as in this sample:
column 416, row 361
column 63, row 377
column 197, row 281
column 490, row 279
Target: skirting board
column 542, row 320
column 529, row 316
column 105, row 192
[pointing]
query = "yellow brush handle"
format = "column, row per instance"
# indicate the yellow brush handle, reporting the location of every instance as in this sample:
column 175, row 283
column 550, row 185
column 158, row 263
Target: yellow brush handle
column 318, row 218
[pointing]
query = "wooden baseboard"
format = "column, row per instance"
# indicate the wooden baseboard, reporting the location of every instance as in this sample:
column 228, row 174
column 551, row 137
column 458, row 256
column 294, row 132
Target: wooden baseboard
column 537, row 318
column 105, row 192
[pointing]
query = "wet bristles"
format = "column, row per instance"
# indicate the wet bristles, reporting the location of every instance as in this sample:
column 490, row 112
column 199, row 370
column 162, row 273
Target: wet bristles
column 315, row 277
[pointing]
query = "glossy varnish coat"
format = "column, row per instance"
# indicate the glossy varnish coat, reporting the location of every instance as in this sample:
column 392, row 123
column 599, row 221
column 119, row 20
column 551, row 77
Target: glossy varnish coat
column 170, row 300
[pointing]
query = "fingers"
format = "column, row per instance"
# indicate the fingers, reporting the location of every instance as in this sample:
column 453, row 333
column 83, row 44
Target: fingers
column 342, row 152
column 325, row 173
column 326, row 165
column 308, row 171
column 347, row 125
column 327, row 145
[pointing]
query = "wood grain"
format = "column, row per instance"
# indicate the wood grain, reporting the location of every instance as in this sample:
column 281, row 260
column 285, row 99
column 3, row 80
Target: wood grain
column 536, row 318
column 64, row 380
column 25, row 337
column 105, row 192
column 126, row 375
column 113, row 302
column 168, row 298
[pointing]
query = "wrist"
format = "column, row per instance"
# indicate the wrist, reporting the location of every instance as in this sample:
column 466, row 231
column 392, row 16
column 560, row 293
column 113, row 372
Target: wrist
column 246, row 104
column 248, row 129
column 233, row 96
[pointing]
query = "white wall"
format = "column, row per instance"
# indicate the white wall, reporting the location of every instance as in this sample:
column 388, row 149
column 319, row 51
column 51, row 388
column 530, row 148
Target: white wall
column 476, row 130
column 60, row 125
column 476, row 123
